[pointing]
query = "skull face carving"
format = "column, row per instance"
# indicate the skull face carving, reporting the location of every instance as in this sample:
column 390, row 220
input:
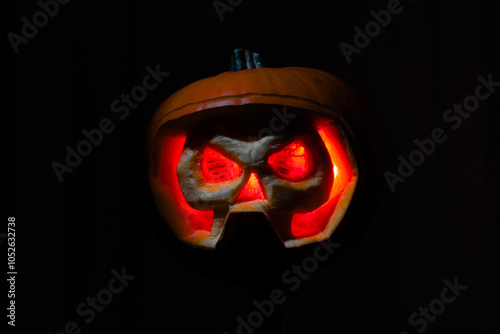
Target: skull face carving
column 269, row 175
column 220, row 157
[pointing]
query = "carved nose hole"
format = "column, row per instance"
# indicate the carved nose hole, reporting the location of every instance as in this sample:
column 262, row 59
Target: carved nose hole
column 251, row 191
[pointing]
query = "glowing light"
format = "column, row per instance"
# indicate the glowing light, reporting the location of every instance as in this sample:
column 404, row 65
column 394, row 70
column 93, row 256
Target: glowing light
column 216, row 168
column 251, row 191
column 171, row 151
column 292, row 163
column 314, row 222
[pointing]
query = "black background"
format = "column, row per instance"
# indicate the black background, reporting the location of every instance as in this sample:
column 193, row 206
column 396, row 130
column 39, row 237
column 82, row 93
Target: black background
column 441, row 223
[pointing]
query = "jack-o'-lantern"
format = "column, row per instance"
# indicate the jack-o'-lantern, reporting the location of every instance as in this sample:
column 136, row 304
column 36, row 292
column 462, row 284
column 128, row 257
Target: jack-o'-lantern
column 273, row 141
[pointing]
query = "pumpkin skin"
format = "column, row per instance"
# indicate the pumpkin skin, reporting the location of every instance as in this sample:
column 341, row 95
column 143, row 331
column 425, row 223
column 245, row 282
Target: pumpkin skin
column 324, row 104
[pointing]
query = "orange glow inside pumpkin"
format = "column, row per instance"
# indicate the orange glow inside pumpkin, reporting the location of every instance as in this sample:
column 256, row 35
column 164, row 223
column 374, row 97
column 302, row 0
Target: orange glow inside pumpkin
column 251, row 190
column 216, row 168
column 172, row 148
column 314, row 222
column 292, row 162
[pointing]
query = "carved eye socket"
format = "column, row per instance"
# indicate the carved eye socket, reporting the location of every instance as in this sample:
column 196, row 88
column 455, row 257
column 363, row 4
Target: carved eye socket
column 216, row 168
column 292, row 162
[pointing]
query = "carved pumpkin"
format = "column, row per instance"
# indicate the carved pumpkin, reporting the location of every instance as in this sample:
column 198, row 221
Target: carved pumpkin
column 269, row 140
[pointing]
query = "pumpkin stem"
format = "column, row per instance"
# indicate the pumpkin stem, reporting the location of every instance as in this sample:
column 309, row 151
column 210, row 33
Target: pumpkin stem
column 243, row 59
